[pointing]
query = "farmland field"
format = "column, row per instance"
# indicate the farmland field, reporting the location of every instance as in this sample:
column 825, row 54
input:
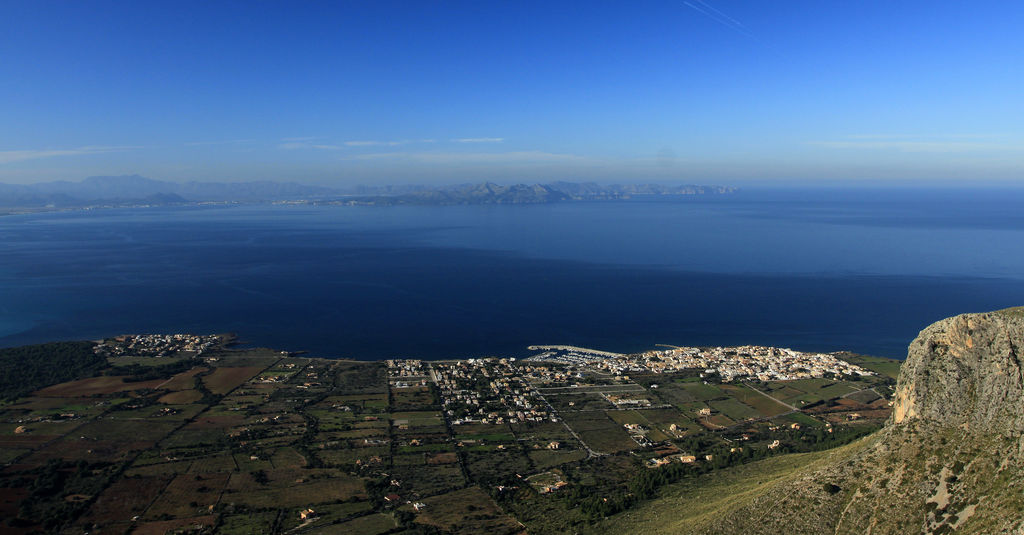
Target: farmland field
column 814, row 390
column 162, row 527
column 578, row 402
column 886, row 367
column 95, row 386
column 544, row 459
column 181, row 397
column 124, row 499
column 288, row 493
column 184, row 380
column 734, row 409
column 700, row 391
column 467, row 511
column 224, row 380
column 376, row 524
column 613, row 440
column 187, row 495
column 762, row 404
column 242, row 441
column 249, row 524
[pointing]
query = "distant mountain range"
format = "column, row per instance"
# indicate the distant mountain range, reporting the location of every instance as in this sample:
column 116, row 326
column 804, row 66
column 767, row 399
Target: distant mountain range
column 490, row 193
column 136, row 190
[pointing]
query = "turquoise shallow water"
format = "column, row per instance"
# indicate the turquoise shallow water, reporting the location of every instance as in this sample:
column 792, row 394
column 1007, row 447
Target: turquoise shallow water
column 825, row 270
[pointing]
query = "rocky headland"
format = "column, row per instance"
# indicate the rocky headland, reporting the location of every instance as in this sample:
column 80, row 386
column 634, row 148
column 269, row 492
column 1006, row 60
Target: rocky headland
column 950, row 459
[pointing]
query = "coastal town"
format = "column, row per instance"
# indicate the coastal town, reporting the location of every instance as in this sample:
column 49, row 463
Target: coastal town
column 159, row 345
column 190, row 432
column 757, row 362
column 488, row 390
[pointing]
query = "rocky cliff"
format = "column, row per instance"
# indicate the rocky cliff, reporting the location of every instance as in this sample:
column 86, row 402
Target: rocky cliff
column 950, row 460
column 965, row 372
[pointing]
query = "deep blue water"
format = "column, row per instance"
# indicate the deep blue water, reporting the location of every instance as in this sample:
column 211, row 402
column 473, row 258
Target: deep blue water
column 826, row 270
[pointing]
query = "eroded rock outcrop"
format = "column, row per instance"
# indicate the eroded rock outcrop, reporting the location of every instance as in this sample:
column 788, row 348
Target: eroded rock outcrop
column 965, row 371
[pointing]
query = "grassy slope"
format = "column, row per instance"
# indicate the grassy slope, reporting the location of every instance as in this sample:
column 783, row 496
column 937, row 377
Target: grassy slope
column 1013, row 311
column 882, row 365
column 693, row 505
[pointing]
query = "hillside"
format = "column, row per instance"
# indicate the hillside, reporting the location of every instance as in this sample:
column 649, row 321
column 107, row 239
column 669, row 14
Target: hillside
column 950, row 459
column 698, row 504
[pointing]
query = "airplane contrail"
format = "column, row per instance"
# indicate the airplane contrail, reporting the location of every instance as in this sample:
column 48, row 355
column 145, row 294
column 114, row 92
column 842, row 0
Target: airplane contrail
column 720, row 18
column 725, row 20
column 719, row 12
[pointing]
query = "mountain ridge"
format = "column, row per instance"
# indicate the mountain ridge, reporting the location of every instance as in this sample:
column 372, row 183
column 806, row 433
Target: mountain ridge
column 136, row 189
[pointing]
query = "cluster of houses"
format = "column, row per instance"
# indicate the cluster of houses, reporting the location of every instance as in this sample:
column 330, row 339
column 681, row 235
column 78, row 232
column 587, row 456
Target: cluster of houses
column 760, row 362
column 405, row 368
column 552, row 376
column 156, row 345
column 65, row 416
column 629, row 400
column 488, row 391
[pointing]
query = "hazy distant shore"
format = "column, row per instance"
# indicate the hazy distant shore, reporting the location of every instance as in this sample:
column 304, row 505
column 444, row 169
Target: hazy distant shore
column 134, row 191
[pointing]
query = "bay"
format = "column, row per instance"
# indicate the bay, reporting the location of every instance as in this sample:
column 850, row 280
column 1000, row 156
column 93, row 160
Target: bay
column 859, row 270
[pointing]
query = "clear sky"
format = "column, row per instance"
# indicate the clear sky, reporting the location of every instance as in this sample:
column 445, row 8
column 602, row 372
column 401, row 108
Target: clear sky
column 708, row 91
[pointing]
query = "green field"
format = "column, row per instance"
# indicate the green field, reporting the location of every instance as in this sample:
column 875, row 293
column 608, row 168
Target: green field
column 417, row 419
column 763, row 405
column 886, row 367
column 734, row 409
column 250, row 523
column 375, row 524
column 543, row 459
column 578, row 402
column 638, row 417
column 700, row 391
column 467, row 511
column 799, row 418
column 813, row 390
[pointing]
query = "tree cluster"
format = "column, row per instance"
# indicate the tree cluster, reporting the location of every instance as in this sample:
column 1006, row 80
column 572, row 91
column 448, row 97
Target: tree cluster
column 29, row 368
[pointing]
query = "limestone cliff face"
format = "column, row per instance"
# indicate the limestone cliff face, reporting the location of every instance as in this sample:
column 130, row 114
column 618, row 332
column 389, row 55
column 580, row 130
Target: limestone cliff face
column 965, row 372
column 950, row 460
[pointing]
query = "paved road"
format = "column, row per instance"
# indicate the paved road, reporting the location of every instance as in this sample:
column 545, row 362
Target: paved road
column 590, row 452
column 793, row 409
column 779, row 401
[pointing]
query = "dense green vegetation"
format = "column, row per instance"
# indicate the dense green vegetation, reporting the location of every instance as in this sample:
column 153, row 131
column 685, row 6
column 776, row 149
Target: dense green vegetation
column 29, row 368
column 140, row 372
column 57, row 488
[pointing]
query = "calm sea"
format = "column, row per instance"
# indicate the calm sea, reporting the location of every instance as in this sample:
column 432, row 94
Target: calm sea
column 858, row 270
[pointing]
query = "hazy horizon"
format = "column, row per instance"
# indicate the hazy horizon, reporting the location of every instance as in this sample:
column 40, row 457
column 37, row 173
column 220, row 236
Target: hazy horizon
column 751, row 184
column 737, row 93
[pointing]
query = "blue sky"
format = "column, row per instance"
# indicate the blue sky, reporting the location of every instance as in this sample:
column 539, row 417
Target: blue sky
column 340, row 93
